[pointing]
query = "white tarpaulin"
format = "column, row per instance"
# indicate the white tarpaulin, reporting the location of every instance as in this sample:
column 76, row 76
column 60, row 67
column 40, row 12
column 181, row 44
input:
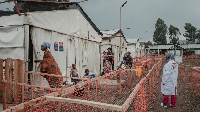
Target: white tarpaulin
column 12, row 42
column 11, row 36
column 70, row 21
column 11, row 20
column 14, row 53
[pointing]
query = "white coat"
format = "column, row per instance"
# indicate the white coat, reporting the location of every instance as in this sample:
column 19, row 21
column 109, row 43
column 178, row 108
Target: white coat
column 169, row 78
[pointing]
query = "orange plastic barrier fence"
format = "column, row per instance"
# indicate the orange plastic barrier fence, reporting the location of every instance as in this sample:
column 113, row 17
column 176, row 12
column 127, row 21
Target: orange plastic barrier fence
column 192, row 58
column 191, row 75
column 118, row 91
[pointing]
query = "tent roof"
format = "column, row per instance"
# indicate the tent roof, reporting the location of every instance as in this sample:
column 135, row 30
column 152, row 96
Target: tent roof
column 107, row 33
column 132, row 41
column 33, row 6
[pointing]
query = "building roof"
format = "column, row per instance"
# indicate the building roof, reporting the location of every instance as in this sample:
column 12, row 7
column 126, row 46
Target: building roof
column 33, row 6
column 106, row 32
column 131, row 41
column 109, row 33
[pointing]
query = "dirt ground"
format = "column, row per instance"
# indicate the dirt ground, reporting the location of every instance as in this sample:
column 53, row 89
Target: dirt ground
column 186, row 100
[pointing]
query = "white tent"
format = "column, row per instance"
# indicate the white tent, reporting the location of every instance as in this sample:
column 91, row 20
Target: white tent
column 114, row 43
column 21, row 38
column 132, row 46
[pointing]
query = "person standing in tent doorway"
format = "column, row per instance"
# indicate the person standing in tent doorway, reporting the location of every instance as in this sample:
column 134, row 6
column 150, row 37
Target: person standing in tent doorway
column 104, row 61
column 169, row 81
column 49, row 65
column 112, row 59
column 108, row 61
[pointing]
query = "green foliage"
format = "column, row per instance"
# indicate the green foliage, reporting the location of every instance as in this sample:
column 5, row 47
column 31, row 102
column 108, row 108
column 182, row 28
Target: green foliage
column 147, row 44
column 160, row 33
column 188, row 52
column 190, row 33
column 174, row 33
column 198, row 36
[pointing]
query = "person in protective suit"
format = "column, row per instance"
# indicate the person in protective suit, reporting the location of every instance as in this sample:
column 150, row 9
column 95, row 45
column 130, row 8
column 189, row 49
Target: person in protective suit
column 169, row 81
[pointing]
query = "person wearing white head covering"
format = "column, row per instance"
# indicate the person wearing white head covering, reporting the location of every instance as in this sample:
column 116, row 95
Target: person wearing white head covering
column 169, row 81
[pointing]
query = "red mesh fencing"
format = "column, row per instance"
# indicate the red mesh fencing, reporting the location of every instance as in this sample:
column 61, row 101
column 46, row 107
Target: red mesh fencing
column 121, row 90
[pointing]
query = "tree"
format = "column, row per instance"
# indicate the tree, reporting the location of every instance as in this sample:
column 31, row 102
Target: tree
column 160, row 33
column 190, row 33
column 147, row 44
column 188, row 52
column 198, row 36
column 174, row 33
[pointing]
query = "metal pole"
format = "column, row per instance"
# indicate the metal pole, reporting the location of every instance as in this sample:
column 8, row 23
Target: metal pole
column 120, row 34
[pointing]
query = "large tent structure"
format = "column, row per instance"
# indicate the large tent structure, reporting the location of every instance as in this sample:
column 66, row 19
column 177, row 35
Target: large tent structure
column 73, row 36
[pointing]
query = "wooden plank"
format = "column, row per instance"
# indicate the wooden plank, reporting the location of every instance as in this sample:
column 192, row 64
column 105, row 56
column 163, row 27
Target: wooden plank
column 39, row 73
column 15, row 80
column 88, row 96
column 129, row 100
column 8, row 77
column 23, row 105
column 96, row 93
column 31, row 79
column 85, row 102
column 1, row 78
column 23, row 78
column 27, row 85
column 19, row 77
column 5, row 98
column 120, row 85
column 11, row 79
column 150, row 86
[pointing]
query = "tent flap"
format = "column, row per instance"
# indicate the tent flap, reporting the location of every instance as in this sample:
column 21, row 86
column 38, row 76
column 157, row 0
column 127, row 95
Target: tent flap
column 12, row 36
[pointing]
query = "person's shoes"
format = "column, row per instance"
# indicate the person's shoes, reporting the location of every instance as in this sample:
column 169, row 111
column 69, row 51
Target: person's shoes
column 163, row 105
column 171, row 106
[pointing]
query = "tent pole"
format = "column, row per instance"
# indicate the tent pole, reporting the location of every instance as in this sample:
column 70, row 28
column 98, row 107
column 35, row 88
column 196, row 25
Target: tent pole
column 26, row 56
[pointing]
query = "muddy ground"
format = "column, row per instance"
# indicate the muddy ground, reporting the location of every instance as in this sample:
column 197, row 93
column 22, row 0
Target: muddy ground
column 186, row 100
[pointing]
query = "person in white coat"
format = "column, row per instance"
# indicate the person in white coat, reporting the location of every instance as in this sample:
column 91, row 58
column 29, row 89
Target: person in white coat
column 169, row 81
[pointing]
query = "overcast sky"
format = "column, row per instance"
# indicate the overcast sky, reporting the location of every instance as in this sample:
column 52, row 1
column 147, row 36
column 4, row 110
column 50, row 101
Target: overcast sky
column 139, row 15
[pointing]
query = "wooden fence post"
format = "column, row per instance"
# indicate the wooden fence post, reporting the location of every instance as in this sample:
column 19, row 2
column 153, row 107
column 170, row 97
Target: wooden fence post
column 1, row 78
column 8, row 77
column 153, row 78
column 31, row 79
column 15, row 80
column 120, row 84
column 130, row 79
column 184, row 74
column 20, row 78
column 96, row 93
column 150, row 84
column 6, row 94
column 191, row 77
column 88, row 96
column 23, row 78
